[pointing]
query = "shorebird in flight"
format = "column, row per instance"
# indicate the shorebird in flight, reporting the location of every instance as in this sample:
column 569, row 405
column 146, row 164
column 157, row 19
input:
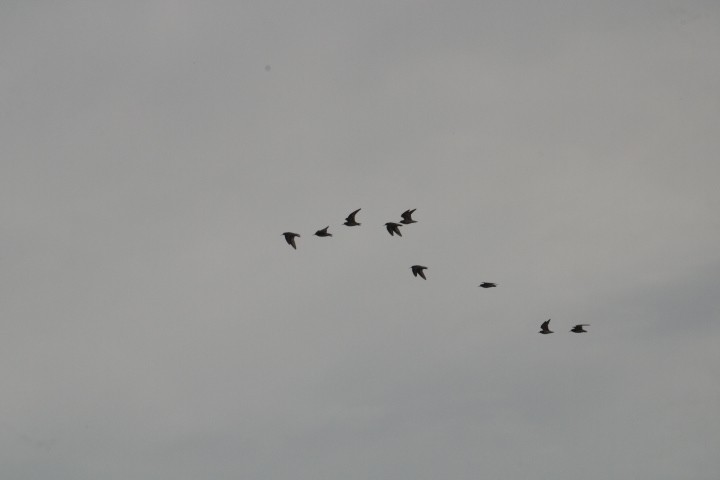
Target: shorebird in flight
column 350, row 220
column 290, row 238
column 487, row 285
column 393, row 228
column 323, row 232
column 418, row 270
column 579, row 328
column 545, row 327
column 407, row 217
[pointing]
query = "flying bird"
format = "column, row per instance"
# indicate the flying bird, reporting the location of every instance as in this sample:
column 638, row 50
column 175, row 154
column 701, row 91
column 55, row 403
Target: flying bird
column 579, row 328
column 487, row 285
column 407, row 217
column 418, row 270
column 393, row 228
column 545, row 327
column 350, row 220
column 323, row 232
column 290, row 238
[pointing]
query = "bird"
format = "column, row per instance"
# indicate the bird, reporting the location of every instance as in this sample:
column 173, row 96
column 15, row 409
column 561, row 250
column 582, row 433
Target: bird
column 350, row 220
column 290, row 238
column 407, row 217
column 487, row 285
column 393, row 228
column 579, row 328
column 545, row 327
column 418, row 270
column 323, row 232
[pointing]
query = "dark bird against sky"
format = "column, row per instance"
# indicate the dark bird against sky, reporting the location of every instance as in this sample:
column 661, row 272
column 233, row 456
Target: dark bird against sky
column 290, row 238
column 350, row 220
column 393, row 228
column 323, row 232
column 579, row 328
column 407, row 217
column 418, row 270
column 487, row 285
column 545, row 327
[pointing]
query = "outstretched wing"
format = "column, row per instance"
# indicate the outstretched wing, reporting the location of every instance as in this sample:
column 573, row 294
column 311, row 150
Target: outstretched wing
column 351, row 218
column 407, row 214
column 290, row 239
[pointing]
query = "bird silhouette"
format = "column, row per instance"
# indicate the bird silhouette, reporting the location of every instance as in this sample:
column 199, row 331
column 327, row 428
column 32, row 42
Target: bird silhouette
column 393, row 228
column 323, row 232
column 545, row 327
column 418, row 270
column 407, row 217
column 487, row 285
column 350, row 220
column 579, row 328
column 290, row 238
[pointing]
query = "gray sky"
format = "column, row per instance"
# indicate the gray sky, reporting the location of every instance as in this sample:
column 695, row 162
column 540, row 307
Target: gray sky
column 154, row 324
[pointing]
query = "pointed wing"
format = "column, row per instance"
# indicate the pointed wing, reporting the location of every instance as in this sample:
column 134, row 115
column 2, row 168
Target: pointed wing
column 546, row 325
column 290, row 239
column 407, row 214
column 422, row 273
column 351, row 218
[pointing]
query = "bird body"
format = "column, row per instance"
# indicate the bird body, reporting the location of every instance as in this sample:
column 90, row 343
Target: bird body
column 290, row 238
column 407, row 217
column 350, row 220
column 323, row 232
column 393, row 228
column 545, row 327
column 418, row 270
column 579, row 328
column 487, row 285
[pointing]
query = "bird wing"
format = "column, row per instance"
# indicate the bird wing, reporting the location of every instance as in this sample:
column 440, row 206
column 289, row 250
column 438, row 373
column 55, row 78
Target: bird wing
column 351, row 217
column 407, row 214
column 422, row 274
column 546, row 325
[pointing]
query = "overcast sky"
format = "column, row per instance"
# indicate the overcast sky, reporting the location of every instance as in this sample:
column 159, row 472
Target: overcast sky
column 154, row 324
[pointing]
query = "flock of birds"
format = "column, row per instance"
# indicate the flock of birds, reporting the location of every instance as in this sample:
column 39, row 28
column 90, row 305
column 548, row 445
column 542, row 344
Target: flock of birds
column 393, row 229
